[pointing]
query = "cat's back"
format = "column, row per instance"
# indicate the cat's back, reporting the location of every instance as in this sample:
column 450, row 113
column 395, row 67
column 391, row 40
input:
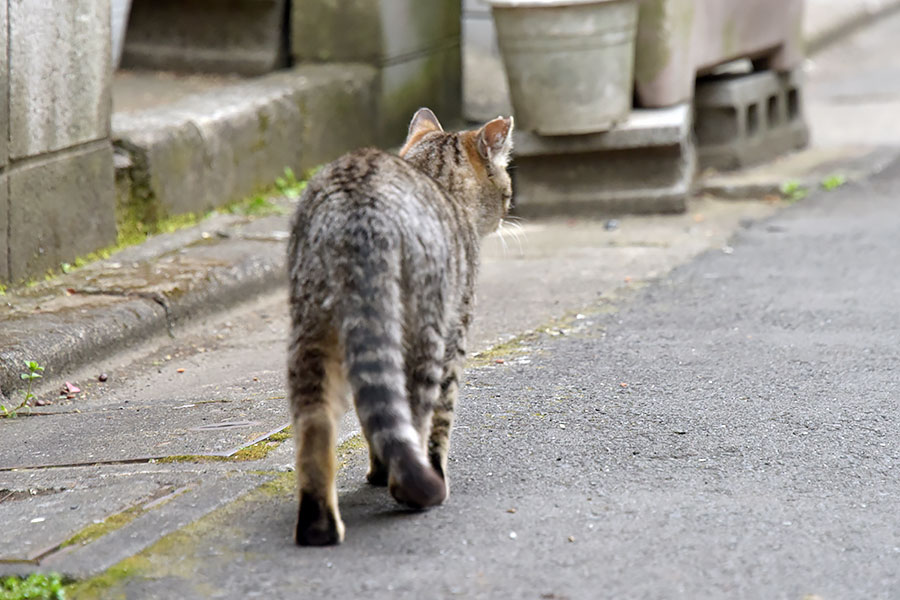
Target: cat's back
column 369, row 183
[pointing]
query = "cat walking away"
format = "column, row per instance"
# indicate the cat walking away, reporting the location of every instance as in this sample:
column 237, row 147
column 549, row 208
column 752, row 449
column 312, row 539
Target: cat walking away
column 382, row 263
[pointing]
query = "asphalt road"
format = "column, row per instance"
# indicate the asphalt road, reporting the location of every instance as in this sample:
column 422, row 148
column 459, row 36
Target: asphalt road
column 730, row 431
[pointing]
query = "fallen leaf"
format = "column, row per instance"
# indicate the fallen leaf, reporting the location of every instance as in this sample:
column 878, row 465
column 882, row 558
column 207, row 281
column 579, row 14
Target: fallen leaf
column 72, row 389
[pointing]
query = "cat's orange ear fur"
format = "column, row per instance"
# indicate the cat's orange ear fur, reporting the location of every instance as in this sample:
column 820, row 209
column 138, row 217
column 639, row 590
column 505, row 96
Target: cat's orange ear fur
column 495, row 140
column 422, row 122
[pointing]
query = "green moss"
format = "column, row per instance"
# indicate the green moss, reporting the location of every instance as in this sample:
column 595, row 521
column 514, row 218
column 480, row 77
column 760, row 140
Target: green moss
column 348, row 448
column 34, row 587
column 95, row 531
column 283, row 484
column 135, row 223
column 190, row 458
column 157, row 560
column 282, row 435
column 505, row 350
column 98, row 588
column 255, row 451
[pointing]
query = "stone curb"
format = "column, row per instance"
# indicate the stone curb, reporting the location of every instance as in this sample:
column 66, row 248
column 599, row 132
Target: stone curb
column 169, row 281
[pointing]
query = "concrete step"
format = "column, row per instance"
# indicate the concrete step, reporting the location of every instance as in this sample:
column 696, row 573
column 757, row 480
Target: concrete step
column 644, row 165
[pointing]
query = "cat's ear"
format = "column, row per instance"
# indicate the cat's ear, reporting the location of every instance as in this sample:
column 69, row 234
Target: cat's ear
column 422, row 122
column 495, row 140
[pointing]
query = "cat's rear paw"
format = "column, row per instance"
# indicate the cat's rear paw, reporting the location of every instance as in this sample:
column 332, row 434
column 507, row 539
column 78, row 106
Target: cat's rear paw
column 378, row 472
column 417, row 486
column 377, row 477
column 317, row 524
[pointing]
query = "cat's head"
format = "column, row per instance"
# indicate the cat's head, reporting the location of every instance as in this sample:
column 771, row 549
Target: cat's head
column 471, row 165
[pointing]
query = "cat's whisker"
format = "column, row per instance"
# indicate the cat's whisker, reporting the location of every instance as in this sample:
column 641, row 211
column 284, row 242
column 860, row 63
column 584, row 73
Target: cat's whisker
column 518, row 233
column 502, row 239
column 514, row 230
column 517, row 226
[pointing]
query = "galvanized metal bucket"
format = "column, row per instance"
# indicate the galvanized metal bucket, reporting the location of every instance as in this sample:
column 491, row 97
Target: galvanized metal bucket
column 570, row 63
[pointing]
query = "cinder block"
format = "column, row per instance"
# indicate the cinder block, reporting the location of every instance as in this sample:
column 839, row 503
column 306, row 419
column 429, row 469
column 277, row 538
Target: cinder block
column 239, row 36
column 4, row 86
column 372, row 31
column 59, row 74
column 210, row 149
column 4, row 228
column 743, row 120
column 645, row 165
column 60, row 207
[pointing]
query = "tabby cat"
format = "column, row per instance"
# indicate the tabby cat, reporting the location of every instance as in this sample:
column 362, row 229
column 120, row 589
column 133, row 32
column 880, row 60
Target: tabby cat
column 382, row 263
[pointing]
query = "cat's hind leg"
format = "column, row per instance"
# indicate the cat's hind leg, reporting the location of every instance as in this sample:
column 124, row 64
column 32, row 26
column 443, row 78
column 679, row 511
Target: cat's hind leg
column 444, row 409
column 424, row 373
column 378, row 472
column 317, row 392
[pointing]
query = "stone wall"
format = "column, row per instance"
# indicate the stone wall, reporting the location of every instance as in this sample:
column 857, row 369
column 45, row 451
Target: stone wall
column 414, row 44
column 56, row 175
column 207, row 36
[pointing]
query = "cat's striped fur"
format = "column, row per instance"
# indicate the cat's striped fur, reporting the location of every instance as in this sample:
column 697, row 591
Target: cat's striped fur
column 382, row 261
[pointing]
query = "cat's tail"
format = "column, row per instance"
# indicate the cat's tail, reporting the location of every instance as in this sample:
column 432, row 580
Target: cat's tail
column 372, row 337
